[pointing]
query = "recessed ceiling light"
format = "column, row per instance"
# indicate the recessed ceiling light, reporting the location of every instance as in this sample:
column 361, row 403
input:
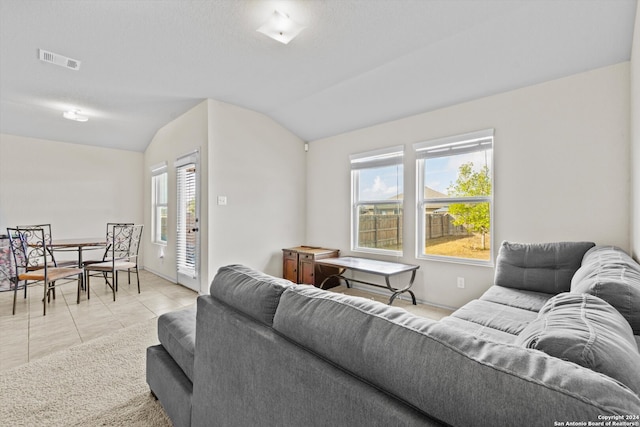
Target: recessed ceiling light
column 74, row 115
column 281, row 28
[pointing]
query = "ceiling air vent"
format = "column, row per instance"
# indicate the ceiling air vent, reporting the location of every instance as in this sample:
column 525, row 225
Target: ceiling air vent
column 63, row 61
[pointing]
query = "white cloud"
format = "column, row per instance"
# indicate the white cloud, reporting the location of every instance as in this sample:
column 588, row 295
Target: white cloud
column 379, row 190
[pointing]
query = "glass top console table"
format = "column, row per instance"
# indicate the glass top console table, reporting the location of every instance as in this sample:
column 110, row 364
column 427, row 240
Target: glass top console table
column 371, row 266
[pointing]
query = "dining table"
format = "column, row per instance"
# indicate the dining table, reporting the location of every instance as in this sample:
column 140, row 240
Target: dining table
column 78, row 244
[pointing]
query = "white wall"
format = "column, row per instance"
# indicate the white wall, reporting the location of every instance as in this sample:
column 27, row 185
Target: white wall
column 77, row 188
column 561, row 172
column 253, row 161
column 182, row 135
column 260, row 167
column 635, row 139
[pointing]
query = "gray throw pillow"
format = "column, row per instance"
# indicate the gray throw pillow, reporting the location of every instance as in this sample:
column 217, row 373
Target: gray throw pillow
column 609, row 273
column 586, row 330
column 539, row 267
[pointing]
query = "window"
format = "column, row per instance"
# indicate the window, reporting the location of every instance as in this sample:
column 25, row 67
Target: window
column 455, row 198
column 159, row 203
column 377, row 196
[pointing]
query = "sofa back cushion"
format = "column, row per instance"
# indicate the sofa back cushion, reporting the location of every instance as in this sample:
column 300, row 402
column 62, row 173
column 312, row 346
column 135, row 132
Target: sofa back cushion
column 539, row 267
column 248, row 291
column 434, row 366
column 247, row 374
column 609, row 273
column 586, row 330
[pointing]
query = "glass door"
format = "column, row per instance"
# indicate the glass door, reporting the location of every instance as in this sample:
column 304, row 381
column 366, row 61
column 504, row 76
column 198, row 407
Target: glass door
column 188, row 230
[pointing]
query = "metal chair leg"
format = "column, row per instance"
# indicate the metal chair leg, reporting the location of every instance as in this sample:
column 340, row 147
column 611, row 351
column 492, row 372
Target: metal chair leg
column 44, row 300
column 86, row 281
column 15, row 295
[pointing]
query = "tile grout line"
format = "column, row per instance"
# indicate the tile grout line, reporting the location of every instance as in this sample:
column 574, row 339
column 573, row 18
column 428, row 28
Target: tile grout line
column 75, row 324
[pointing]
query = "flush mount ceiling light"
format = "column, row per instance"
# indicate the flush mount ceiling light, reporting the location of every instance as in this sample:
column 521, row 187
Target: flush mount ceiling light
column 281, row 28
column 57, row 59
column 74, row 115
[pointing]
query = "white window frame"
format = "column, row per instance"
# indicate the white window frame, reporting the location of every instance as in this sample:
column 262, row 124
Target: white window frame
column 158, row 171
column 457, row 144
column 391, row 156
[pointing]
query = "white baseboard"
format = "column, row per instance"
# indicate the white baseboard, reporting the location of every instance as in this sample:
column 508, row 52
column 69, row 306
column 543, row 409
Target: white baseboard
column 381, row 291
column 157, row 273
column 167, row 278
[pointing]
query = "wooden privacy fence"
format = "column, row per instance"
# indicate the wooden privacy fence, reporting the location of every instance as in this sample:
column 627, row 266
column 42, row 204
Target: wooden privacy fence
column 380, row 231
column 385, row 231
column 441, row 225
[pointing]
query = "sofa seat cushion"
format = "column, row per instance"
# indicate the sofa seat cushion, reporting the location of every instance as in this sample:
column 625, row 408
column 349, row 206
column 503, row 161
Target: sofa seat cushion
column 501, row 317
column 177, row 334
column 526, row 300
column 539, row 267
column 586, row 330
column 610, row 274
column 170, row 385
column 479, row 331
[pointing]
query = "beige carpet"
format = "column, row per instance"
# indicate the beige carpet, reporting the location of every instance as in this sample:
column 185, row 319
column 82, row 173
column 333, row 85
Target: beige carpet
column 98, row 383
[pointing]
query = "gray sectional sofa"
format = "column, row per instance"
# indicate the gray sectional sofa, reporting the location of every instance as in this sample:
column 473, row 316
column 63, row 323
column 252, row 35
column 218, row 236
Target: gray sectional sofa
column 554, row 340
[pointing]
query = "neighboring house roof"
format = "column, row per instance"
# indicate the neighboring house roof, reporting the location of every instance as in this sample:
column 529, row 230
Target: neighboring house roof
column 429, row 193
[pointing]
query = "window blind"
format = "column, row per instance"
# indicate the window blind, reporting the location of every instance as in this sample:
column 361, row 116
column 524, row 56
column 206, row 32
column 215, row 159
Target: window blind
column 453, row 145
column 159, row 168
column 186, row 222
column 371, row 159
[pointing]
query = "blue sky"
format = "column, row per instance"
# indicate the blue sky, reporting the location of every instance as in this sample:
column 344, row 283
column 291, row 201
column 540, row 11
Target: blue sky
column 440, row 172
column 381, row 183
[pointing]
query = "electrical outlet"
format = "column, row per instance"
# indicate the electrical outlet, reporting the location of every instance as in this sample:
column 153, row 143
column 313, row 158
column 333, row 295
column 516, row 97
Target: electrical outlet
column 461, row 282
column 222, row 200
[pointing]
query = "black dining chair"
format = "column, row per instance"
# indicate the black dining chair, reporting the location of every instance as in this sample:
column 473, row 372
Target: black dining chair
column 48, row 236
column 121, row 255
column 134, row 248
column 109, row 240
column 32, row 258
column 107, row 249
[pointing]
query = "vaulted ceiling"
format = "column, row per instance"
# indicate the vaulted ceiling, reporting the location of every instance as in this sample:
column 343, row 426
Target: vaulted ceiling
column 357, row 63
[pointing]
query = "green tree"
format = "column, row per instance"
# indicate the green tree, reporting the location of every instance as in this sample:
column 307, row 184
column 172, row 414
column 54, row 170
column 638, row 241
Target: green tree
column 475, row 217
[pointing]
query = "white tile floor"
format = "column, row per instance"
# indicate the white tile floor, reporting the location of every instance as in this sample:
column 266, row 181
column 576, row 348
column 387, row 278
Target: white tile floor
column 28, row 335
